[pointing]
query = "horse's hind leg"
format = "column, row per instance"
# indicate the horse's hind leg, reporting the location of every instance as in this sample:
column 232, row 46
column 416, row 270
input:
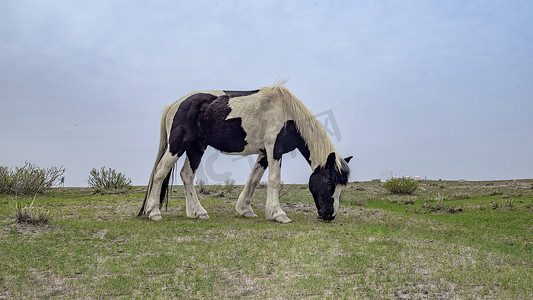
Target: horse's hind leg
column 160, row 173
column 243, row 206
column 193, row 208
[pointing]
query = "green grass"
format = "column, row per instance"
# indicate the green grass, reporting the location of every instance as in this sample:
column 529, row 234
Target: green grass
column 380, row 246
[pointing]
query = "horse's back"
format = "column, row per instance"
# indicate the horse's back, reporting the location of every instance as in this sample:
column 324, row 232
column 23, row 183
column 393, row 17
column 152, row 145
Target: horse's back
column 236, row 122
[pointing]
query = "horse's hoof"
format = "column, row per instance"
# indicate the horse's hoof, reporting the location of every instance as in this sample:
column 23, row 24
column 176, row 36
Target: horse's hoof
column 203, row 217
column 249, row 214
column 156, row 218
column 283, row 219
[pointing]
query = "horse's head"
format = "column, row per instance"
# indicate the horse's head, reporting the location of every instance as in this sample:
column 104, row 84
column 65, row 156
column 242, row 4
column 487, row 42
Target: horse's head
column 326, row 184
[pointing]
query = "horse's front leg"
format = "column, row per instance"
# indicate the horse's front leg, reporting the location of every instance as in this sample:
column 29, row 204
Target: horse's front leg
column 193, row 208
column 273, row 209
column 243, row 206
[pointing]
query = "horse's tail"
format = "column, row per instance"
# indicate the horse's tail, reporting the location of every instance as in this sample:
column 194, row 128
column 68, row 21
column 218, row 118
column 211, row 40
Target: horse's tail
column 163, row 144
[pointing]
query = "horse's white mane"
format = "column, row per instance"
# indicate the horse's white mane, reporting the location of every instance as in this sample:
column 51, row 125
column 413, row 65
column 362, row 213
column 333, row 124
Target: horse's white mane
column 312, row 132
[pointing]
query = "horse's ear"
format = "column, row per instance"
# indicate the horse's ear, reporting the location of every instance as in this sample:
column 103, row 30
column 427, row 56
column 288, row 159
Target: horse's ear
column 331, row 160
column 347, row 159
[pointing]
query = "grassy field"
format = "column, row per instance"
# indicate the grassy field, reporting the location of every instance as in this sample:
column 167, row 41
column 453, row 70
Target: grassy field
column 449, row 240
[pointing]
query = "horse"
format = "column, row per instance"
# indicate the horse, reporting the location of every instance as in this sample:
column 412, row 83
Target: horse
column 269, row 122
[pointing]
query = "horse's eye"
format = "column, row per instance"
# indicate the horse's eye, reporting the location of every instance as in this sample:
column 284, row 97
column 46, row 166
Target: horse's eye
column 328, row 182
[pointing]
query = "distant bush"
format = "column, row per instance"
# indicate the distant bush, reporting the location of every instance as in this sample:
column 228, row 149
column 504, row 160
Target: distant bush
column 503, row 204
column 229, row 184
column 285, row 189
column 202, row 187
column 28, row 179
column 108, row 180
column 404, row 186
column 355, row 202
column 438, row 205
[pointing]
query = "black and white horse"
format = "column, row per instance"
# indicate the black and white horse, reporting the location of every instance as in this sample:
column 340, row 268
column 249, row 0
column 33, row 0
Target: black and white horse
column 268, row 122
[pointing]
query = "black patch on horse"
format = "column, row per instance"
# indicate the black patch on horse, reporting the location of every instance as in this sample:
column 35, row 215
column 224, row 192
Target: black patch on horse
column 263, row 161
column 289, row 139
column 224, row 135
column 201, row 121
column 233, row 94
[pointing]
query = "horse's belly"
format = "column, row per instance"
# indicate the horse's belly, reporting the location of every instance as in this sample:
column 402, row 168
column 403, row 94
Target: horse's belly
column 234, row 149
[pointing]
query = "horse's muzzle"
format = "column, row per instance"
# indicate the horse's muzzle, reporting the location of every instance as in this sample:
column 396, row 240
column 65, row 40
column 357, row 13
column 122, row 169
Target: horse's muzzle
column 326, row 216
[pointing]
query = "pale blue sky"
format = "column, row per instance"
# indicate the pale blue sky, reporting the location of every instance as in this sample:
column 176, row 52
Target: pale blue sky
column 438, row 89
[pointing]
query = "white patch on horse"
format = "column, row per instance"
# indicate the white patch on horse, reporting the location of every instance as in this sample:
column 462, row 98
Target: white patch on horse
column 262, row 120
column 337, row 198
column 193, row 208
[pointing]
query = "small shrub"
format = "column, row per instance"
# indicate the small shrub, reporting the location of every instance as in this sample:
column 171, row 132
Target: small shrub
column 264, row 184
column 108, row 180
column 202, row 187
column 453, row 210
column 402, row 201
column 284, row 189
column 440, row 199
column 512, row 195
column 503, row 204
column 229, row 185
column 355, row 202
column 30, row 214
column 462, row 196
column 403, row 186
column 28, row 179
column 408, row 201
column 219, row 193
column 439, row 206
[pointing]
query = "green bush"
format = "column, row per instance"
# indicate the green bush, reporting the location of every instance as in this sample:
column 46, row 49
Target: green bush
column 28, row 179
column 108, row 180
column 404, row 186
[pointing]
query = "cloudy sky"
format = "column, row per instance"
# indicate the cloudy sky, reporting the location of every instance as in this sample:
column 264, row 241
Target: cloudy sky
column 437, row 89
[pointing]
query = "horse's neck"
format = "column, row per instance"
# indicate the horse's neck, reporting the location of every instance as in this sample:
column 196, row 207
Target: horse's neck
column 304, row 150
column 310, row 153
